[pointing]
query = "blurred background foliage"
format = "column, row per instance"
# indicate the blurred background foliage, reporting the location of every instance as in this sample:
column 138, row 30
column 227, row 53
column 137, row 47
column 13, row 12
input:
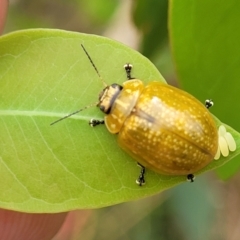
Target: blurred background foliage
column 207, row 209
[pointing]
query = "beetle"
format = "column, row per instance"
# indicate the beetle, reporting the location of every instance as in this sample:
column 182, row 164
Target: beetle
column 163, row 128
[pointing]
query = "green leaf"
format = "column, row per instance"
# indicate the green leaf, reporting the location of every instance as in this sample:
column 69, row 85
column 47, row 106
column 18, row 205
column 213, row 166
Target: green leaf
column 151, row 19
column 205, row 46
column 44, row 75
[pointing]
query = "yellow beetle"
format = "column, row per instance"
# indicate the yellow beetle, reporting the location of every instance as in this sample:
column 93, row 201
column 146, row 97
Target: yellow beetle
column 163, row 128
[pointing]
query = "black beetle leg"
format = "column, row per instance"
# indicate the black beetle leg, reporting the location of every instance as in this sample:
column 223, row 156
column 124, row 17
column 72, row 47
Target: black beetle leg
column 141, row 180
column 128, row 68
column 190, row 177
column 94, row 122
column 209, row 103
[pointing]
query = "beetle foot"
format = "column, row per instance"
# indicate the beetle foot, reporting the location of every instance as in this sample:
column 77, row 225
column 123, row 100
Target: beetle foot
column 190, row 177
column 141, row 179
column 94, row 122
column 209, row 103
column 128, row 68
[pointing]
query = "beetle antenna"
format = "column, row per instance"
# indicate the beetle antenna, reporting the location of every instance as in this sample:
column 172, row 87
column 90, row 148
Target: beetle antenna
column 94, row 104
column 95, row 68
column 73, row 113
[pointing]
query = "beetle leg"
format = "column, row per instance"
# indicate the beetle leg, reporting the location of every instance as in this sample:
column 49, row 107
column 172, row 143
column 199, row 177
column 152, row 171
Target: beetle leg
column 128, row 68
column 141, row 180
column 209, row 103
column 94, row 122
column 190, row 177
